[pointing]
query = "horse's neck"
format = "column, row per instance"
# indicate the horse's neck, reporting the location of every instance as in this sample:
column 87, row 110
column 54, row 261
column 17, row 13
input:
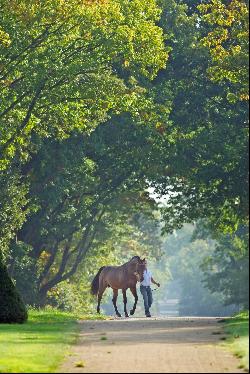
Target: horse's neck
column 129, row 267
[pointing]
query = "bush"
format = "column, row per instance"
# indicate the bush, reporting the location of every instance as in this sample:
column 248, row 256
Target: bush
column 12, row 308
column 24, row 272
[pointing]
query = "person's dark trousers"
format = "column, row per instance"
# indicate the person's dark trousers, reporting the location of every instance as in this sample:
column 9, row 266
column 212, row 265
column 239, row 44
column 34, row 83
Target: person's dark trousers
column 147, row 297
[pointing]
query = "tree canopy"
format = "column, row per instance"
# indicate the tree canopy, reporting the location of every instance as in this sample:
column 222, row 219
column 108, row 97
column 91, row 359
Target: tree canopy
column 207, row 134
column 64, row 66
column 101, row 100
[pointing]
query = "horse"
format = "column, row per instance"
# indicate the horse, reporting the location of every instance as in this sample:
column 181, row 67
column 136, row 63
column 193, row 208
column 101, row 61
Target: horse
column 119, row 277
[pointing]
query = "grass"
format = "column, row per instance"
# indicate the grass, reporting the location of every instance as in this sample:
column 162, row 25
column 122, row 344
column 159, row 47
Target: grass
column 39, row 345
column 237, row 329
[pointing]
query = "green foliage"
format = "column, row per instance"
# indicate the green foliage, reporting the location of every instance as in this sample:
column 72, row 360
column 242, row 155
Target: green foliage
column 23, row 269
column 4, row 38
column 57, row 69
column 244, row 314
column 227, row 271
column 82, row 188
column 91, row 117
column 12, row 308
column 185, row 262
column 228, row 43
column 13, row 206
column 124, row 240
column 206, row 137
column 238, row 341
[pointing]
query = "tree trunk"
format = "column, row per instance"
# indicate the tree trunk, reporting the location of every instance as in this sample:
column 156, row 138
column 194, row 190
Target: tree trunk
column 42, row 297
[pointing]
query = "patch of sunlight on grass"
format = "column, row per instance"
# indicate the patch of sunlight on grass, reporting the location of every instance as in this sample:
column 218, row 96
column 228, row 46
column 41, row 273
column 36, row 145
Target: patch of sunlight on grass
column 39, row 345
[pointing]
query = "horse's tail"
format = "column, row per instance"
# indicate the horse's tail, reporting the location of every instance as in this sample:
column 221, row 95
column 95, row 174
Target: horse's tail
column 95, row 282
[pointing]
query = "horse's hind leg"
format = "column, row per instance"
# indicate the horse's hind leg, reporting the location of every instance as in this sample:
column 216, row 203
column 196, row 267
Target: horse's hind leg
column 134, row 292
column 115, row 295
column 102, row 288
column 125, row 300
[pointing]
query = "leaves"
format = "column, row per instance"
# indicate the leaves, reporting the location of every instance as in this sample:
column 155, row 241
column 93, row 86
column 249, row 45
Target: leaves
column 206, row 137
column 228, row 44
column 58, row 73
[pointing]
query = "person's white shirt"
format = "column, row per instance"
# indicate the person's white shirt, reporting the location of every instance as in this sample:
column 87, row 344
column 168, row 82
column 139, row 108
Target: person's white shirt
column 147, row 275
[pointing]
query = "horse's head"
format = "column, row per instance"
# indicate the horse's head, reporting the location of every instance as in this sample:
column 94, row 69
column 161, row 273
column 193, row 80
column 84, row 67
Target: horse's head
column 140, row 267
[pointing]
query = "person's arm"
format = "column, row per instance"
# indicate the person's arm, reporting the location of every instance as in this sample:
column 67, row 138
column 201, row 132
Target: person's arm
column 154, row 282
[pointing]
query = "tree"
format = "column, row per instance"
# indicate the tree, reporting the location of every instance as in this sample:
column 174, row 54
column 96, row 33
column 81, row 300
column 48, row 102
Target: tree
column 227, row 270
column 76, row 187
column 13, row 206
column 186, row 255
column 121, row 236
column 206, row 136
column 13, row 212
column 58, row 66
column 65, row 68
column 90, row 119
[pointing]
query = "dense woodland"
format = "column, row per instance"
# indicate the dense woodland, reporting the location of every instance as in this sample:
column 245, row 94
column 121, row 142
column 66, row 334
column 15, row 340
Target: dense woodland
column 101, row 102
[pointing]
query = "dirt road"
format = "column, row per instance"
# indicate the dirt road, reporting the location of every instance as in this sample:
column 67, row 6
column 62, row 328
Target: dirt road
column 156, row 345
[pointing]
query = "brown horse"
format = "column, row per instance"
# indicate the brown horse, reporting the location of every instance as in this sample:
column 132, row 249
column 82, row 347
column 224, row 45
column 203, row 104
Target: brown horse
column 119, row 277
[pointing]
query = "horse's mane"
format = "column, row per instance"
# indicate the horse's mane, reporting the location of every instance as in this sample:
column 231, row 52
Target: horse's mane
column 135, row 258
column 132, row 261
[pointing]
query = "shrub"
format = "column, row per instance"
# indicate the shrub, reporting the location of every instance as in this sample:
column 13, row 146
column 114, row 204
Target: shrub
column 12, row 308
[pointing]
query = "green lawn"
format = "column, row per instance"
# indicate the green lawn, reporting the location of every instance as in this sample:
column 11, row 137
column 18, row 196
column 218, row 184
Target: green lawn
column 238, row 341
column 39, row 345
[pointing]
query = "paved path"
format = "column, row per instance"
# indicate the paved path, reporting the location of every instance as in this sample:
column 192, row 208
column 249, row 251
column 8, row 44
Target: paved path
column 156, row 345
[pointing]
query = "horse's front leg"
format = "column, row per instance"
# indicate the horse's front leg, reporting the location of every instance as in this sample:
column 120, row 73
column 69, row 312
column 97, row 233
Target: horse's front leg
column 134, row 292
column 115, row 295
column 125, row 300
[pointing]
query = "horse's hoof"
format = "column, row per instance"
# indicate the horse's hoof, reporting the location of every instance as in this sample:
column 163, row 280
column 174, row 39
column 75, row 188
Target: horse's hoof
column 118, row 315
column 126, row 316
column 132, row 312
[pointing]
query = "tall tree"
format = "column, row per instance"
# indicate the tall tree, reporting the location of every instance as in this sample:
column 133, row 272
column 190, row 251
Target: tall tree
column 65, row 68
column 226, row 270
column 206, row 134
column 75, row 187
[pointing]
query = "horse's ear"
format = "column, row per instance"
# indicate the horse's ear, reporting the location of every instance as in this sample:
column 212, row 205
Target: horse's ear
column 144, row 260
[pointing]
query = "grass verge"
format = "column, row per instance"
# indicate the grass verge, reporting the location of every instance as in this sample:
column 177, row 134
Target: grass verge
column 237, row 328
column 40, row 345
